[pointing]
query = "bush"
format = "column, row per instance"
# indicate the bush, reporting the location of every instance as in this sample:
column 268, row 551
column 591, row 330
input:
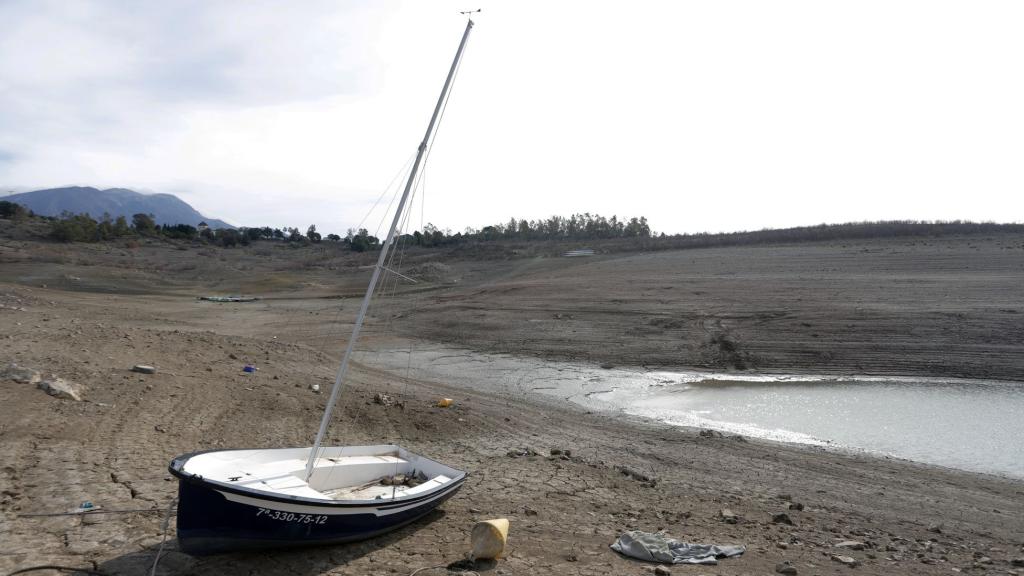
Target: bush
column 109, row 230
column 144, row 224
column 228, row 237
column 362, row 241
column 13, row 211
column 179, row 231
column 75, row 228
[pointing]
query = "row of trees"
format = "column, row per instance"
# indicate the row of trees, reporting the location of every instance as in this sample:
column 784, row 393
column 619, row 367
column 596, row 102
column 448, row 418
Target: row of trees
column 358, row 241
column 584, row 226
column 578, row 227
column 83, row 228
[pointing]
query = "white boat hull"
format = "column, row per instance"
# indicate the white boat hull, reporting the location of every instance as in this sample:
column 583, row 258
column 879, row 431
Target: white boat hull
column 236, row 499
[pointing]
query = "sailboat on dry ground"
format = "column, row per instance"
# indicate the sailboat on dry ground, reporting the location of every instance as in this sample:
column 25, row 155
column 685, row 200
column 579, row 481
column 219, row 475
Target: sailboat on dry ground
column 231, row 499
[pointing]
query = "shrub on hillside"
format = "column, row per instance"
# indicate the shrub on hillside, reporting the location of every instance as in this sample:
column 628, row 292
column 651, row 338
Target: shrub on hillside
column 75, row 228
column 13, row 211
column 179, row 231
column 228, row 237
column 144, row 224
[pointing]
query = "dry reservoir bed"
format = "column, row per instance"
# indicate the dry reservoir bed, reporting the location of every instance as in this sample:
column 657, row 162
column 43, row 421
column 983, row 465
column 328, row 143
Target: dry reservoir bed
column 112, row 449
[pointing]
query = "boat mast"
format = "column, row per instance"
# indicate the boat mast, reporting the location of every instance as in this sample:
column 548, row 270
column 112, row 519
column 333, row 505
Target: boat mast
column 383, row 255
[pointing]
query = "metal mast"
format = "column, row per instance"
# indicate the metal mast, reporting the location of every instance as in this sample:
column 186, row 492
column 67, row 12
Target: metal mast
column 383, row 255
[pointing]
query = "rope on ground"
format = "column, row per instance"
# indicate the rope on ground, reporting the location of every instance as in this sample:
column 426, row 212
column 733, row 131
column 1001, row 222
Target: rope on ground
column 167, row 523
column 58, row 568
column 418, row 570
column 90, row 512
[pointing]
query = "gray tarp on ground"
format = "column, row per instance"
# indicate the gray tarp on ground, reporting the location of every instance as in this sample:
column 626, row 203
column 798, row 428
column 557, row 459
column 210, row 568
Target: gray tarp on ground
column 659, row 547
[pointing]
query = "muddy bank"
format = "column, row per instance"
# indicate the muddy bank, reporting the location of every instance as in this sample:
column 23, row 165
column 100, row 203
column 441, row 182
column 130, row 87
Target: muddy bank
column 943, row 307
column 971, row 425
column 112, row 450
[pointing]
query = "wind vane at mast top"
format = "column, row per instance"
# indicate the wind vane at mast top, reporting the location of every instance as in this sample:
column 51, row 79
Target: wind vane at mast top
column 469, row 13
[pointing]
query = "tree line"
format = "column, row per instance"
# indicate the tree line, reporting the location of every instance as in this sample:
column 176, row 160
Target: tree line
column 70, row 227
column 575, row 228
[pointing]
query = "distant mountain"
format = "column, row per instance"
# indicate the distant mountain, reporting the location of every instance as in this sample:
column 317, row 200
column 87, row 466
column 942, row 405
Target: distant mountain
column 165, row 208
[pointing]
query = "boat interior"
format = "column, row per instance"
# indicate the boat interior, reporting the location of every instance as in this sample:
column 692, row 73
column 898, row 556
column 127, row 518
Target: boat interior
column 355, row 473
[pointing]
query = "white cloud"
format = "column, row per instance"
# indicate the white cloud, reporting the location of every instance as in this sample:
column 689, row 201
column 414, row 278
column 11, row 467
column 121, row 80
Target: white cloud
column 701, row 116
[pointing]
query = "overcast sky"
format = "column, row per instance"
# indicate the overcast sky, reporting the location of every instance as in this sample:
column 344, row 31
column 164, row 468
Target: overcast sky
column 702, row 116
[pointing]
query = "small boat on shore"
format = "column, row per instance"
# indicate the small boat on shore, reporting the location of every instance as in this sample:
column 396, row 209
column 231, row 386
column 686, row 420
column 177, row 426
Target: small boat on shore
column 238, row 499
column 276, row 497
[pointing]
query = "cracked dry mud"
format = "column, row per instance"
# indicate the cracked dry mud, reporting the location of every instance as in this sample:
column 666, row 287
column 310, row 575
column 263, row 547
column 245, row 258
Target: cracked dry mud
column 113, row 448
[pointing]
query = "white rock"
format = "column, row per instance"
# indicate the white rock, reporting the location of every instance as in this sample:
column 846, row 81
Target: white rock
column 845, row 560
column 61, row 388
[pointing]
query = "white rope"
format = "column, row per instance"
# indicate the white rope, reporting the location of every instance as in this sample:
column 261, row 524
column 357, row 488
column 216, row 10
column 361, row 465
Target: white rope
column 167, row 524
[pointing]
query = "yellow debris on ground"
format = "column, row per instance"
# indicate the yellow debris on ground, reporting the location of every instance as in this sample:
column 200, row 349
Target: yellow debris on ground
column 488, row 539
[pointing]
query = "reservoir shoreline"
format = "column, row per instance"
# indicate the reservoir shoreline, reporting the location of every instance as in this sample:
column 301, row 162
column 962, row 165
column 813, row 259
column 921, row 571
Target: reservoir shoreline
column 88, row 313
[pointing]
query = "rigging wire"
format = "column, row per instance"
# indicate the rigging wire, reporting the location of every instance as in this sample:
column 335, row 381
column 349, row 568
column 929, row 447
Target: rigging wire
column 419, row 177
column 375, row 309
column 332, row 334
column 402, row 171
column 329, row 334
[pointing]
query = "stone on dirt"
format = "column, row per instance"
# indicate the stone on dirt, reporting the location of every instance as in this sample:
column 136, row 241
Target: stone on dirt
column 61, row 388
column 782, row 518
column 636, row 475
column 144, row 369
column 20, row 374
column 383, row 399
column 851, row 544
column 662, row 571
column 785, row 568
column 845, row 560
column 728, row 516
column 560, row 453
